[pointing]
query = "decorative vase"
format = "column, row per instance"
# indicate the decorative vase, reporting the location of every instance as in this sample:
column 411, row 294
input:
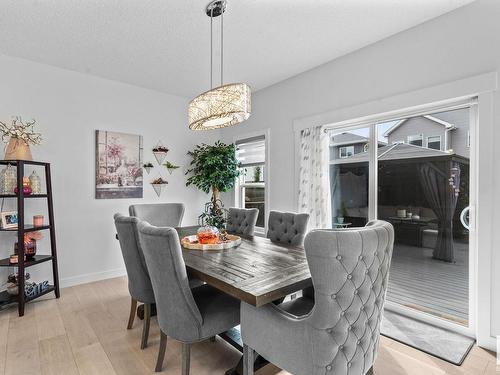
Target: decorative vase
column 29, row 249
column 35, row 183
column 17, row 149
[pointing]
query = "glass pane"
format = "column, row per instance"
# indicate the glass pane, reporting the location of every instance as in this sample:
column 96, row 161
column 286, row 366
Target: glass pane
column 349, row 177
column 254, row 197
column 422, row 192
column 253, row 174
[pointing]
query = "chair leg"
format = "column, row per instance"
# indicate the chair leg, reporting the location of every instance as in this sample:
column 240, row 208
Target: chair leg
column 145, row 328
column 186, row 358
column 212, row 339
column 248, row 360
column 161, row 352
column 370, row 371
column 133, row 308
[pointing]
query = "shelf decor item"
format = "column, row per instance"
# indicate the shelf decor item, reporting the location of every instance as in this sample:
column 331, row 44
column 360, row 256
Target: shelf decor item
column 213, row 168
column 38, row 220
column 160, row 152
column 170, row 167
column 26, row 186
column 20, row 135
column 158, row 185
column 118, row 165
column 33, row 290
column 8, row 180
column 8, row 219
column 13, row 283
column 148, row 167
column 35, row 183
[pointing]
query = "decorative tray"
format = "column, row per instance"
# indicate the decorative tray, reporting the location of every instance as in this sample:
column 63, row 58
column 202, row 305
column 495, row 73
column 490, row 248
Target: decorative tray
column 191, row 242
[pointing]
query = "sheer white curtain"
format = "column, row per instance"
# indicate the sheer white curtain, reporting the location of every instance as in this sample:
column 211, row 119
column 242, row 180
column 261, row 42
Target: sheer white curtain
column 314, row 181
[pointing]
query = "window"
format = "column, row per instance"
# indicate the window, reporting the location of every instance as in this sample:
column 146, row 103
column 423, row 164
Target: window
column 251, row 153
column 434, row 142
column 416, row 140
column 346, row 151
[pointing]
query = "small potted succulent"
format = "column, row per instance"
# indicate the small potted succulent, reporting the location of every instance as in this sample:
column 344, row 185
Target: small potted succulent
column 170, row 166
column 158, row 185
column 160, row 152
column 148, row 166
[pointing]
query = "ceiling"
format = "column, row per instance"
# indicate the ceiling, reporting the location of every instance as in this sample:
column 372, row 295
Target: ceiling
column 164, row 45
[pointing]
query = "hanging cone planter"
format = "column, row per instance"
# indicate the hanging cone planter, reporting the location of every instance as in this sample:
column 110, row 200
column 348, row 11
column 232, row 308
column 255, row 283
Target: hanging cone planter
column 158, row 188
column 160, row 153
column 170, row 167
column 147, row 169
column 158, row 185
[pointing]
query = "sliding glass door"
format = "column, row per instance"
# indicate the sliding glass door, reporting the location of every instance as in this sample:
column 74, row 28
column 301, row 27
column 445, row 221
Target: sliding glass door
column 414, row 172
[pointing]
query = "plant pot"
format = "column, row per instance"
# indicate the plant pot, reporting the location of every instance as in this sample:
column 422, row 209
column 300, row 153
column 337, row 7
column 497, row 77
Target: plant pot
column 148, row 169
column 171, row 170
column 17, row 149
column 158, row 188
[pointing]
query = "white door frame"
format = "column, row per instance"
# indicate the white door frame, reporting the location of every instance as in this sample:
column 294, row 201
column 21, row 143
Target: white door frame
column 483, row 87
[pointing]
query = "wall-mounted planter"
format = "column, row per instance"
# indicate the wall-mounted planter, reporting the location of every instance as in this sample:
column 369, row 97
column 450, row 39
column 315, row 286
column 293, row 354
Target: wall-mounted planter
column 160, row 152
column 148, row 168
column 158, row 188
column 170, row 167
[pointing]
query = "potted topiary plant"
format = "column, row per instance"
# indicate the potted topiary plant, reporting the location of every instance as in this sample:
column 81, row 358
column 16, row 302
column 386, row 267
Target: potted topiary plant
column 213, row 168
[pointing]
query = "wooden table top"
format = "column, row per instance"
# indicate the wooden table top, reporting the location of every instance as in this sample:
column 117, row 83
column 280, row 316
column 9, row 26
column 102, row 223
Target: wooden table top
column 258, row 271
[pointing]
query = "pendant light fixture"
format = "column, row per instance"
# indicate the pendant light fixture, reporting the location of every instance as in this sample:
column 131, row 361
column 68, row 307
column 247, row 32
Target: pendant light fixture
column 225, row 105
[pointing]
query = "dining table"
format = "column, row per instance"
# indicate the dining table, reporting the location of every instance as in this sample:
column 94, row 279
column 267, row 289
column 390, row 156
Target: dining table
column 257, row 272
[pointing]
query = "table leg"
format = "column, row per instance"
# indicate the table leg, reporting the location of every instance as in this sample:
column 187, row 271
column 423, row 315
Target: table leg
column 233, row 337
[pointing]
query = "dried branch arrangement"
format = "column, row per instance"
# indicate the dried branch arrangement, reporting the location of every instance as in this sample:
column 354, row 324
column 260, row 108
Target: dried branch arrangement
column 21, row 130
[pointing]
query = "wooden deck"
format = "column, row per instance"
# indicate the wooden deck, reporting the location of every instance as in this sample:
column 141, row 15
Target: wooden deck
column 439, row 288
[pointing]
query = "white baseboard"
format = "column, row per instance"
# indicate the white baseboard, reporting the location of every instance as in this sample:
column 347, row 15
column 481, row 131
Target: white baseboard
column 91, row 277
column 489, row 343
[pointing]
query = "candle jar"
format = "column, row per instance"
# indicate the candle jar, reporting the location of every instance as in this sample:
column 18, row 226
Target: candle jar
column 38, row 220
column 208, row 235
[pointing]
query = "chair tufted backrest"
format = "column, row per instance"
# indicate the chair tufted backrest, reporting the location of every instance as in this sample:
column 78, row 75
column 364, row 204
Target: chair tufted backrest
column 349, row 269
column 139, row 283
column 178, row 314
column 287, row 227
column 159, row 214
column 242, row 220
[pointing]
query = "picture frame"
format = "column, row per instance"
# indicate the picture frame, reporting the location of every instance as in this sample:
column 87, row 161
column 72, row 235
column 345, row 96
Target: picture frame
column 9, row 219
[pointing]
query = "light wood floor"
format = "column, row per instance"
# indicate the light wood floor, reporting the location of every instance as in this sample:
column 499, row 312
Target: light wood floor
column 84, row 333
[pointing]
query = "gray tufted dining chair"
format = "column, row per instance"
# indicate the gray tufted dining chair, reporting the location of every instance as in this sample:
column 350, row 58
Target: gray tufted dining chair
column 159, row 214
column 184, row 314
column 139, row 284
column 287, row 227
column 338, row 332
column 242, row 221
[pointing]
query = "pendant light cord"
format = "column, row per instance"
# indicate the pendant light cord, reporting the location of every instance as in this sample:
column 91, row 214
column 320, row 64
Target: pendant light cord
column 222, row 45
column 211, row 47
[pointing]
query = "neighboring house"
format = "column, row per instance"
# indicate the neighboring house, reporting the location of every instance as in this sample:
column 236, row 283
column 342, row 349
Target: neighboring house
column 345, row 145
column 443, row 131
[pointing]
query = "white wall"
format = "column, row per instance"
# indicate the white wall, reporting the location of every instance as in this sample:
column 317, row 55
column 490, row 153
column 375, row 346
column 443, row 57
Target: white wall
column 455, row 46
column 69, row 107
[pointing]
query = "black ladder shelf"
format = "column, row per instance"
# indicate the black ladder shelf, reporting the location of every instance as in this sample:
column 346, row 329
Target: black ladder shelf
column 21, row 299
